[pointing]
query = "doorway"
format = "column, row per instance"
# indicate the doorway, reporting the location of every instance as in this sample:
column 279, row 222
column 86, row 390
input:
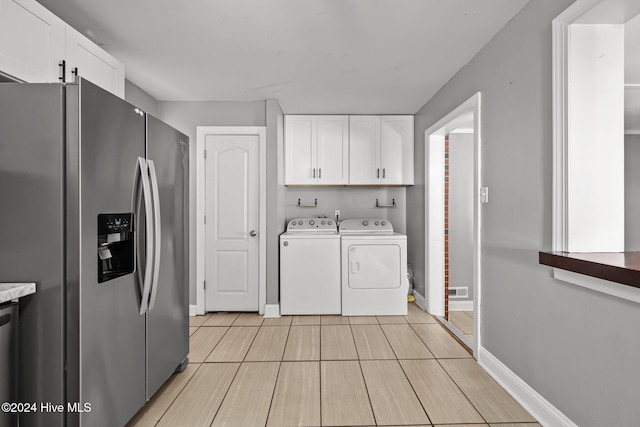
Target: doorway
column 231, row 225
column 458, row 229
column 442, row 243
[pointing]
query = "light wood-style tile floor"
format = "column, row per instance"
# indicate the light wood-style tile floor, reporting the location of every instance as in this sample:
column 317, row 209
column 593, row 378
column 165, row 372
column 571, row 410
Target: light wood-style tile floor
column 463, row 320
column 314, row 371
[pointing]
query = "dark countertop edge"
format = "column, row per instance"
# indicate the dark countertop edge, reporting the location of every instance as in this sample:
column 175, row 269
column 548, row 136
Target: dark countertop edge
column 601, row 270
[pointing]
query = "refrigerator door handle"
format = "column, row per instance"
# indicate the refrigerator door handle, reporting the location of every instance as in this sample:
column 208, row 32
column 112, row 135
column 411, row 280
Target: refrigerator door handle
column 157, row 233
column 142, row 180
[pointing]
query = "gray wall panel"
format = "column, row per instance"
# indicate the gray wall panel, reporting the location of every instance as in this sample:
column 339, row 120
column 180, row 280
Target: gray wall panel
column 275, row 198
column 185, row 117
column 461, row 212
column 632, row 192
column 574, row 346
column 141, row 99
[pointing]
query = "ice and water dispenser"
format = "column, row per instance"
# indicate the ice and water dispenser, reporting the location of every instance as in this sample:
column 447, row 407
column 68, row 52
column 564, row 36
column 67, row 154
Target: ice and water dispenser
column 115, row 246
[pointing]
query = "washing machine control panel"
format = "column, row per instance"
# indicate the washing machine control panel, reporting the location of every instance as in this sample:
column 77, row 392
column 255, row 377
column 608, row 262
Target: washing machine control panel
column 373, row 226
column 312, row 225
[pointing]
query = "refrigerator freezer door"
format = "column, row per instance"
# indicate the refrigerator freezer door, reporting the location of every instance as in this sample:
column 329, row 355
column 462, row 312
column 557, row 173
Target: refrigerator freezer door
column 32, row 249
column 106, row 330
column 168, row 322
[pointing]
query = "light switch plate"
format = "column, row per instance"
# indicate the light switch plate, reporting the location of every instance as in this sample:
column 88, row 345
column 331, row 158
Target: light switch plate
column 484, row 194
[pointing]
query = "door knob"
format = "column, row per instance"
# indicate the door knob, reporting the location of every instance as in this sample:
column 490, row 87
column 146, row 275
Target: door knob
column 253, row 233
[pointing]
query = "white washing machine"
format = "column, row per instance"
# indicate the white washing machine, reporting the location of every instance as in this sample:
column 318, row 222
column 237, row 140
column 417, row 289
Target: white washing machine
column 310, row 267
column 374, row 268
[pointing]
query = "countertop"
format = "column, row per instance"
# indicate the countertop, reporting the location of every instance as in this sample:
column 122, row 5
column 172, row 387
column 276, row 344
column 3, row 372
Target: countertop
column 619, row 267
column 11, row 291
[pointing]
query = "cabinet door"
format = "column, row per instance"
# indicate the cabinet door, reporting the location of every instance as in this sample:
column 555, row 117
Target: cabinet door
column 300, row 153
column 364, row 150
column 31, row 41
column 93, row 63
column 333, row 150
column 396, row 150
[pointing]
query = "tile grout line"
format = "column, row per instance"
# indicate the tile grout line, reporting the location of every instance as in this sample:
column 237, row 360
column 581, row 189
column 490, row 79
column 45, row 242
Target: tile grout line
column 178, row 394
column 414, row 391
column 216, row 345
column 461, row 390
column 273, row 392
column 364, row 380
column 235, row 375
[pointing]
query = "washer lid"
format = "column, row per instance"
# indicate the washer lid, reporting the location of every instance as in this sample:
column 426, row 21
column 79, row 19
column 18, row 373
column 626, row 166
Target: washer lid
column 366, row 226
column 312, row 226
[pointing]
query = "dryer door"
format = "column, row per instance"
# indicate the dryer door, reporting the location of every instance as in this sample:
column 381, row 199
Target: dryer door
column 374, row 266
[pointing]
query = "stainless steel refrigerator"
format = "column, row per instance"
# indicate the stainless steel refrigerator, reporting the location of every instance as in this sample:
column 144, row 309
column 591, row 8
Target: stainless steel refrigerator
column 94, row 209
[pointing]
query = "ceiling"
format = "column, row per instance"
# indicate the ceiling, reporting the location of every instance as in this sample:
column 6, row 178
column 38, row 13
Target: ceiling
column 321, row 56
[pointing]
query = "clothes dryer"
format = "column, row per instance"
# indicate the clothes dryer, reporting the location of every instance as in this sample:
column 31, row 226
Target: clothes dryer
column 374, row 268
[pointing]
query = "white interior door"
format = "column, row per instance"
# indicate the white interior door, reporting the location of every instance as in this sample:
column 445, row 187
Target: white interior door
column 232, row 222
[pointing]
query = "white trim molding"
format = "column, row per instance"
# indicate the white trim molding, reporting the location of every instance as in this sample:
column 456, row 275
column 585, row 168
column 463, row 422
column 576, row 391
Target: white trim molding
column 460, row 305
column 202, row 131
column 420, row 301
column 193, row 310
column 531, row 400
column 434, row 209
column 629, row 293
column 271, row 310
column 569, row 118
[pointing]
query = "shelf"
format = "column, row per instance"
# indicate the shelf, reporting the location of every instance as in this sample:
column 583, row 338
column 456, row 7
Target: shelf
column 619, row 267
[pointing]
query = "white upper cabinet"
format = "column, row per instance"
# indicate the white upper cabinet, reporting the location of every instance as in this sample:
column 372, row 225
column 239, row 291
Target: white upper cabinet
column 91, row 62
column 396, row 150
column 381, row 150
column 32, row 41
column 364, row 149
column 317, row 150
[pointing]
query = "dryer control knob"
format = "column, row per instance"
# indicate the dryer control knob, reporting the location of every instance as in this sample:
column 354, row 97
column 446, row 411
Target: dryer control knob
column 329, row 222
column 377, row 222
column 311, row 222
column 365, row 222
column 384, row 223
column 322, row 222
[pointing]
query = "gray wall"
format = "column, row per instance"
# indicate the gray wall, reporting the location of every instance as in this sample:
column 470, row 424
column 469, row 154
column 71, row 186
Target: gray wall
column 141, row 99
column 632, row 192
column 461, row 212
column 275, row 197
column 576, row 347
column 353, row 202
column 186, row 116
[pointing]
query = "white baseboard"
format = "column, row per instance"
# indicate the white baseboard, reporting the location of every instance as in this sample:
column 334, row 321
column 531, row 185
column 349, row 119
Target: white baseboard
column 460, row 305
column 272, row 310
column 531, row 400
column 193, row 310
column 420, row 301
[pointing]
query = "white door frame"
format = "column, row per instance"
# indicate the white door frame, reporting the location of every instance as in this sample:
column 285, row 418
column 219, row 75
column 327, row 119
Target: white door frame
column 202, row 132
column 434, row 209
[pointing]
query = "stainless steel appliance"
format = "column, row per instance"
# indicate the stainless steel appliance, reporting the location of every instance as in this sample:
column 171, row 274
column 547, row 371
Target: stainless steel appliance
column 95, row 210
column 8, row 360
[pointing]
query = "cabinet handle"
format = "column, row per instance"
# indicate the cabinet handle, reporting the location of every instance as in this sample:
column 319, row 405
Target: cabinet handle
column 62, row 67
column 378, row 172
column 320, row 173
column 74, row 71
column 314, row 172
column 384, row 172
